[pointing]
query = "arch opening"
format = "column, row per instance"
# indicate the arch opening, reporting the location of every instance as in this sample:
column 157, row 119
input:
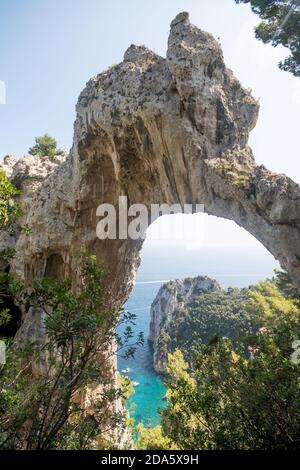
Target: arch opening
column 226, row 253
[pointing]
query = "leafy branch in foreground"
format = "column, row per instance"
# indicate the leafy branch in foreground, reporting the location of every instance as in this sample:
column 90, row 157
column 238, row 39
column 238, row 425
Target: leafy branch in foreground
column 67, row 403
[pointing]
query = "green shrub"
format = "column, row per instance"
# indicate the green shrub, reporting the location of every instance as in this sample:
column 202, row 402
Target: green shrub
column 45, row 146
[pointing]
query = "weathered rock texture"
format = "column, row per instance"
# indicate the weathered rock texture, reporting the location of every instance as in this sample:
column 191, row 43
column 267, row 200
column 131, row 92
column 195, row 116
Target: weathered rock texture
column 173, row 296
column 159, row 130
column 27, row 174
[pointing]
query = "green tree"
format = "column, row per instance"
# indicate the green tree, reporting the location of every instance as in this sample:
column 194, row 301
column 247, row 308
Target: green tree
column 280, row 26
column 9, row 207
column 43, row 387
column 152, row 439
column 126, row 384
column 237, row 400
column 45, row 146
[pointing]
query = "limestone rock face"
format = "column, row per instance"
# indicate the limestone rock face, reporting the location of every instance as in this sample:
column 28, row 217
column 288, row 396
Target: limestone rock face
column 172, row 296
column 7, row 164
column 159, row 130
column 27, row 174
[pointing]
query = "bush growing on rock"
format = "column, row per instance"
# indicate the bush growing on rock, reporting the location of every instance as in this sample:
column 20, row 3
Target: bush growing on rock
column 233, row 400
column 45, row 146
column 9, row 208
column 57, row 395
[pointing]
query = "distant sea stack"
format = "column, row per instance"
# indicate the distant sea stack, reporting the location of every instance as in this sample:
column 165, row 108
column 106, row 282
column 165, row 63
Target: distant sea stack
column 186, row 314
column 172, row 297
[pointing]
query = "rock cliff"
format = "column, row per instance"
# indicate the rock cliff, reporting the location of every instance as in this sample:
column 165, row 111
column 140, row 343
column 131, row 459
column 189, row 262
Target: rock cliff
column 189, row 313
column 174, row 296
column 27, row 174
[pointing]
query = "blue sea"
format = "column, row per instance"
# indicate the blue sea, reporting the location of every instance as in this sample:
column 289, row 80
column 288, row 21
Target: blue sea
column 231, row 267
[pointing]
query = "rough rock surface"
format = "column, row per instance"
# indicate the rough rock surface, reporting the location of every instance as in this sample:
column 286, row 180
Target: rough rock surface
column 159, row 130
column 172, row 296
column 27, row 174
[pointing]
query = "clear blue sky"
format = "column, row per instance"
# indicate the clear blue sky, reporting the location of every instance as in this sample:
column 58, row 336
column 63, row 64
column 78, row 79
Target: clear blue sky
column 50, row 48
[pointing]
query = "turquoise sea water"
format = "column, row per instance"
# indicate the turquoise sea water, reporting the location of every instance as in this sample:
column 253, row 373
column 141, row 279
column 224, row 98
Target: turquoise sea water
column 230, row 266
column 148, row 396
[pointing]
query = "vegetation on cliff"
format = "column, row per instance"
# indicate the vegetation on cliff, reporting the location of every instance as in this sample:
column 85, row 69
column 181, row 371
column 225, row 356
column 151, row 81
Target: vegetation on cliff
column 45, row 146
column 209, row 316
column 9, row 208
column 58, row 394
column 239, row 394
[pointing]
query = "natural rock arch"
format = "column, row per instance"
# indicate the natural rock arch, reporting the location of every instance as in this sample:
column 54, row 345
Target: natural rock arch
column 160, row 130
